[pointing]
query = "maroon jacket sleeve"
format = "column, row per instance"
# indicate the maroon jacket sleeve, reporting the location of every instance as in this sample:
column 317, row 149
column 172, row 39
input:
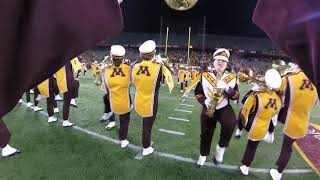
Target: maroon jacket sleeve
column 200, row 94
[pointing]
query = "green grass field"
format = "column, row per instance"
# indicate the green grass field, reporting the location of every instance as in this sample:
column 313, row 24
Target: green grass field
column 52, row 152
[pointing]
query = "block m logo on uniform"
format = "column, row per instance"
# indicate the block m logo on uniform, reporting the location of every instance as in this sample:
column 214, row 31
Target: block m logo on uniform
column 143, row 70
column 117, row 72
column 307, row 84
column 271, row 104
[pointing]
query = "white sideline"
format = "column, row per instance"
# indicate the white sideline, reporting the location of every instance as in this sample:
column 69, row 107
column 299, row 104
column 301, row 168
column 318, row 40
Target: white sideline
column 172, row 132
column 180, row 158
column 181, row 110
column 179, row 119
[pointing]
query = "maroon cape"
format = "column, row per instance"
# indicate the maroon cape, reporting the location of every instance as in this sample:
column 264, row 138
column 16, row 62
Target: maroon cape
column 293, row 25
column 37, row 37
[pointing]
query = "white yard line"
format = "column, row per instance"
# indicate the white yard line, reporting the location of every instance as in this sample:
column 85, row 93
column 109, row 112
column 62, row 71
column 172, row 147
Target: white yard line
column 179, row 119
column 172, row 132
column 139, row 156
column 181, row 110
column 180, row 158
column 189, row 105
column 182, row 99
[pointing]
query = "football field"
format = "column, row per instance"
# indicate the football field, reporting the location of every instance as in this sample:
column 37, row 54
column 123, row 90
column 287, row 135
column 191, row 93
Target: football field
column 89, row 151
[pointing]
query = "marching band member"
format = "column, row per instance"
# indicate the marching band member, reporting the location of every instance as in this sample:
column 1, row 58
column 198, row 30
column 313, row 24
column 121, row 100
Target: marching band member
column 260, row 107
column 116, row 81
column 213, row 91
column 84, row 69
column 187, row 76
column 146, row 76
column 107, row 110
column 36, row 108
column 46, row 89
column 194, row 74
column 181, row 78
column 67, row 85
column 299, row 97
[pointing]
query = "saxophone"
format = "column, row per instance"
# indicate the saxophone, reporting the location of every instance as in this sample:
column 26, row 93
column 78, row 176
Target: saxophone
column 107, row 62
column 215, row 96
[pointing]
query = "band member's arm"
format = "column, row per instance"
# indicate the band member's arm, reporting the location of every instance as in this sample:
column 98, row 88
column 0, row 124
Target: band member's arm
column 198, row 92
column 233, row 93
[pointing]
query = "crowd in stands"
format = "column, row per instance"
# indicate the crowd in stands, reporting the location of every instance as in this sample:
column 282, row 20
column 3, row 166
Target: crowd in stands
column 177, row 50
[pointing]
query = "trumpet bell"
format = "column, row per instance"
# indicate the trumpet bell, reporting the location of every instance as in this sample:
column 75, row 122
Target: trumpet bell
column 181, row 5
column 273, row 79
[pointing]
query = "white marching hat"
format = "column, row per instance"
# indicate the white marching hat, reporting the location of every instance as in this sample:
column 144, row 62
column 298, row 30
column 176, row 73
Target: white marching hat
column 147, row 47
column 117, row 50
column 293, row 65
column 273, row 79
column 222, row 54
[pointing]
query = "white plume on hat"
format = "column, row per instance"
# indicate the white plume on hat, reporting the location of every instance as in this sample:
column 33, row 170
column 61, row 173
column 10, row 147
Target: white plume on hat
column 222, row 54
column 117, row 50
column 273, row 79
column 147, row 47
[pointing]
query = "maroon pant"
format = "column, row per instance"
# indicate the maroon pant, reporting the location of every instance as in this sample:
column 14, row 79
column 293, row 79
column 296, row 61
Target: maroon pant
column 28, row 95
column 4, row 134
column 250, row 152
column 124, row 125
column 106, row 104
column 226, row 118
column 51, row 102
column 36, row 93
column 73, row 90
column 285, row 154
column 147, row 129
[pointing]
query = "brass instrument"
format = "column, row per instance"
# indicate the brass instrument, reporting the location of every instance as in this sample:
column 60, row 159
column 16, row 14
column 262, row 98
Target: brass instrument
column 215, row 96
column 181, row 5
column 263, row 81
column 100, row 69
column 248, row 76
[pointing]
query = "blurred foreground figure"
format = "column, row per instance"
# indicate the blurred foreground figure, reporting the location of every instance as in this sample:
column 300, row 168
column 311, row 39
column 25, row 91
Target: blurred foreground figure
column 60, row 31
column 294, row 26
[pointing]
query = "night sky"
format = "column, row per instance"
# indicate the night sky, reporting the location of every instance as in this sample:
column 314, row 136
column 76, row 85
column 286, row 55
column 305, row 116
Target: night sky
column 223, row 17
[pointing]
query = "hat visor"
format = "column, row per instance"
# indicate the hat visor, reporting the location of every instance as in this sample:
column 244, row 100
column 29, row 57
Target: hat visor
column 223, row 58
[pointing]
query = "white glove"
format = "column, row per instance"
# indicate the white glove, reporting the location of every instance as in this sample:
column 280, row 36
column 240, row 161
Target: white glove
column 269, row 137
column 207, row 102
column 222, row 85
column 119, row 1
